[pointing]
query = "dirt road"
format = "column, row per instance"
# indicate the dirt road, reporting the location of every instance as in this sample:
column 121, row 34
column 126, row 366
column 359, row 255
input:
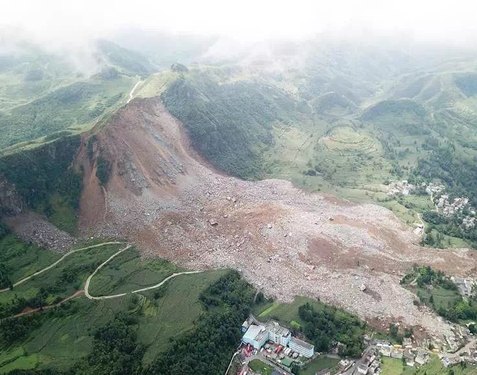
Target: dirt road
column 131, row 93
column 88, row 280
column 76, row 294
column 59, row 261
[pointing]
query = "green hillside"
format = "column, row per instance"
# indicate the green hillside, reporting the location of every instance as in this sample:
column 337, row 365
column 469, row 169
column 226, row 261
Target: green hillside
column 44, row 96
column 324, row 132
column 230, row 123
column 83, row 336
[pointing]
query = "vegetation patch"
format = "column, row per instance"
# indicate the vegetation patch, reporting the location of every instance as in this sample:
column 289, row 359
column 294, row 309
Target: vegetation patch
column 228, row 123
column 436, row 290
column 324, row 325
column 318, row 364
column 260, row 367
column 46, row 181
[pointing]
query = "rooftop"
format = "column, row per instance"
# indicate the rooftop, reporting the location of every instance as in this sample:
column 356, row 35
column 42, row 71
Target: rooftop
column 277, row 329
column 253, row 331
column 302, row 343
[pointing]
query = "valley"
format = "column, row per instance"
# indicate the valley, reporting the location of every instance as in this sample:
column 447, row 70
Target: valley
column 293, row 242
column 144, row 209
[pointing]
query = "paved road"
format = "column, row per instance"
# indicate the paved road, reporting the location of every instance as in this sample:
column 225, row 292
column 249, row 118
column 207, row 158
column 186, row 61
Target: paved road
column 59, row 261
column 88, row 280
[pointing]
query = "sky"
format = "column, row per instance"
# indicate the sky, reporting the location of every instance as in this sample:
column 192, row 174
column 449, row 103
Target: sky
column 249, row 20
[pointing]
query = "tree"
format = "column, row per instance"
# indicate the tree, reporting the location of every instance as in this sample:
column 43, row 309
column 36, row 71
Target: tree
column 295, row 369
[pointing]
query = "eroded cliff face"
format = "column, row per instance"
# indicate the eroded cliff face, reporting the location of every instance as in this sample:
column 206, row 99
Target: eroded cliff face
column 10, row 201
column 30, row 180
column 167, row 200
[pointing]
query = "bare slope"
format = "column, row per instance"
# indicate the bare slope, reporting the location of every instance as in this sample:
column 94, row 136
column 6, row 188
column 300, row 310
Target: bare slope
column 163, row 197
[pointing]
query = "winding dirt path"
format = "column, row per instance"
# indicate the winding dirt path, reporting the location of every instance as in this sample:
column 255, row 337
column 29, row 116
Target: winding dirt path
column 88, row 280
column 76, row 294
column 59, row 261
column 131, row 93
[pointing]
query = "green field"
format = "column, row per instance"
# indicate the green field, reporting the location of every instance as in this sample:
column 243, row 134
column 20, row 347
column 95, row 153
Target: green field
column 285, row 312
column 64, row 333
column 22, row 260
column 392, row 366
column 62, row 340
column 443, row 298
column 128, row 272
column 62, row 280
column 260, row 367
column 319, row 363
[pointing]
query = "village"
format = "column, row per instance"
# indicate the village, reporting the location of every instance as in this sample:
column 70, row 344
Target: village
column 444, row 204
column 267, row 348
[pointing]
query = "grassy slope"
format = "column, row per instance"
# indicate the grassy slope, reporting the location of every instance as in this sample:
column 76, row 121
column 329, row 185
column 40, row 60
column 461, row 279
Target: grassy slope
column 44, row 95
column 64, row 336
column 318, row 364
column 392, row 366
column 335, row 137
column 21, row 259
column 72, row 108
column 229, row 121
column 128, row 272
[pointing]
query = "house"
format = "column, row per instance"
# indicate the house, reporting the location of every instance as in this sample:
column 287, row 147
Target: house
column 362, row 368
column 407, row 342
column 422, row 357
column 385, row 350
column 245, row 326
column 409, row 358
column 396, row 353
column 302, row 347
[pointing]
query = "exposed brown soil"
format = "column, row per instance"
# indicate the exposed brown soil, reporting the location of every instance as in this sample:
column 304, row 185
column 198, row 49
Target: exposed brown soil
column 164, row 198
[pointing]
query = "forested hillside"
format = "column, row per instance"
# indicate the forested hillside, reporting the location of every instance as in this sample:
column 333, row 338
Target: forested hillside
column 317, row 128
column 230, row 123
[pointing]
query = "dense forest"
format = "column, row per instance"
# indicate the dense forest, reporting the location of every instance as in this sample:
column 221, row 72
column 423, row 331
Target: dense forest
column 231, row 123
column 329, row 326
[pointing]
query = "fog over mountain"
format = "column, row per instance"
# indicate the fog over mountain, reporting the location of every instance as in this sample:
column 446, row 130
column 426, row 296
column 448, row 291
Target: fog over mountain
column 238, row 187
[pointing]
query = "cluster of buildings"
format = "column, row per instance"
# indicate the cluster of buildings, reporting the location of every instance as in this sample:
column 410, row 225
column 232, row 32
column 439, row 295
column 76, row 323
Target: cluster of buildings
column 412, row 356
column 369, row 364
column 400, row 188
column 465, row 286
column 257, row 335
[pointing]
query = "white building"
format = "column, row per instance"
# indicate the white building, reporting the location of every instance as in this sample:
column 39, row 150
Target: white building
column 278, row 334
column 302, row 347
column 256, row 336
